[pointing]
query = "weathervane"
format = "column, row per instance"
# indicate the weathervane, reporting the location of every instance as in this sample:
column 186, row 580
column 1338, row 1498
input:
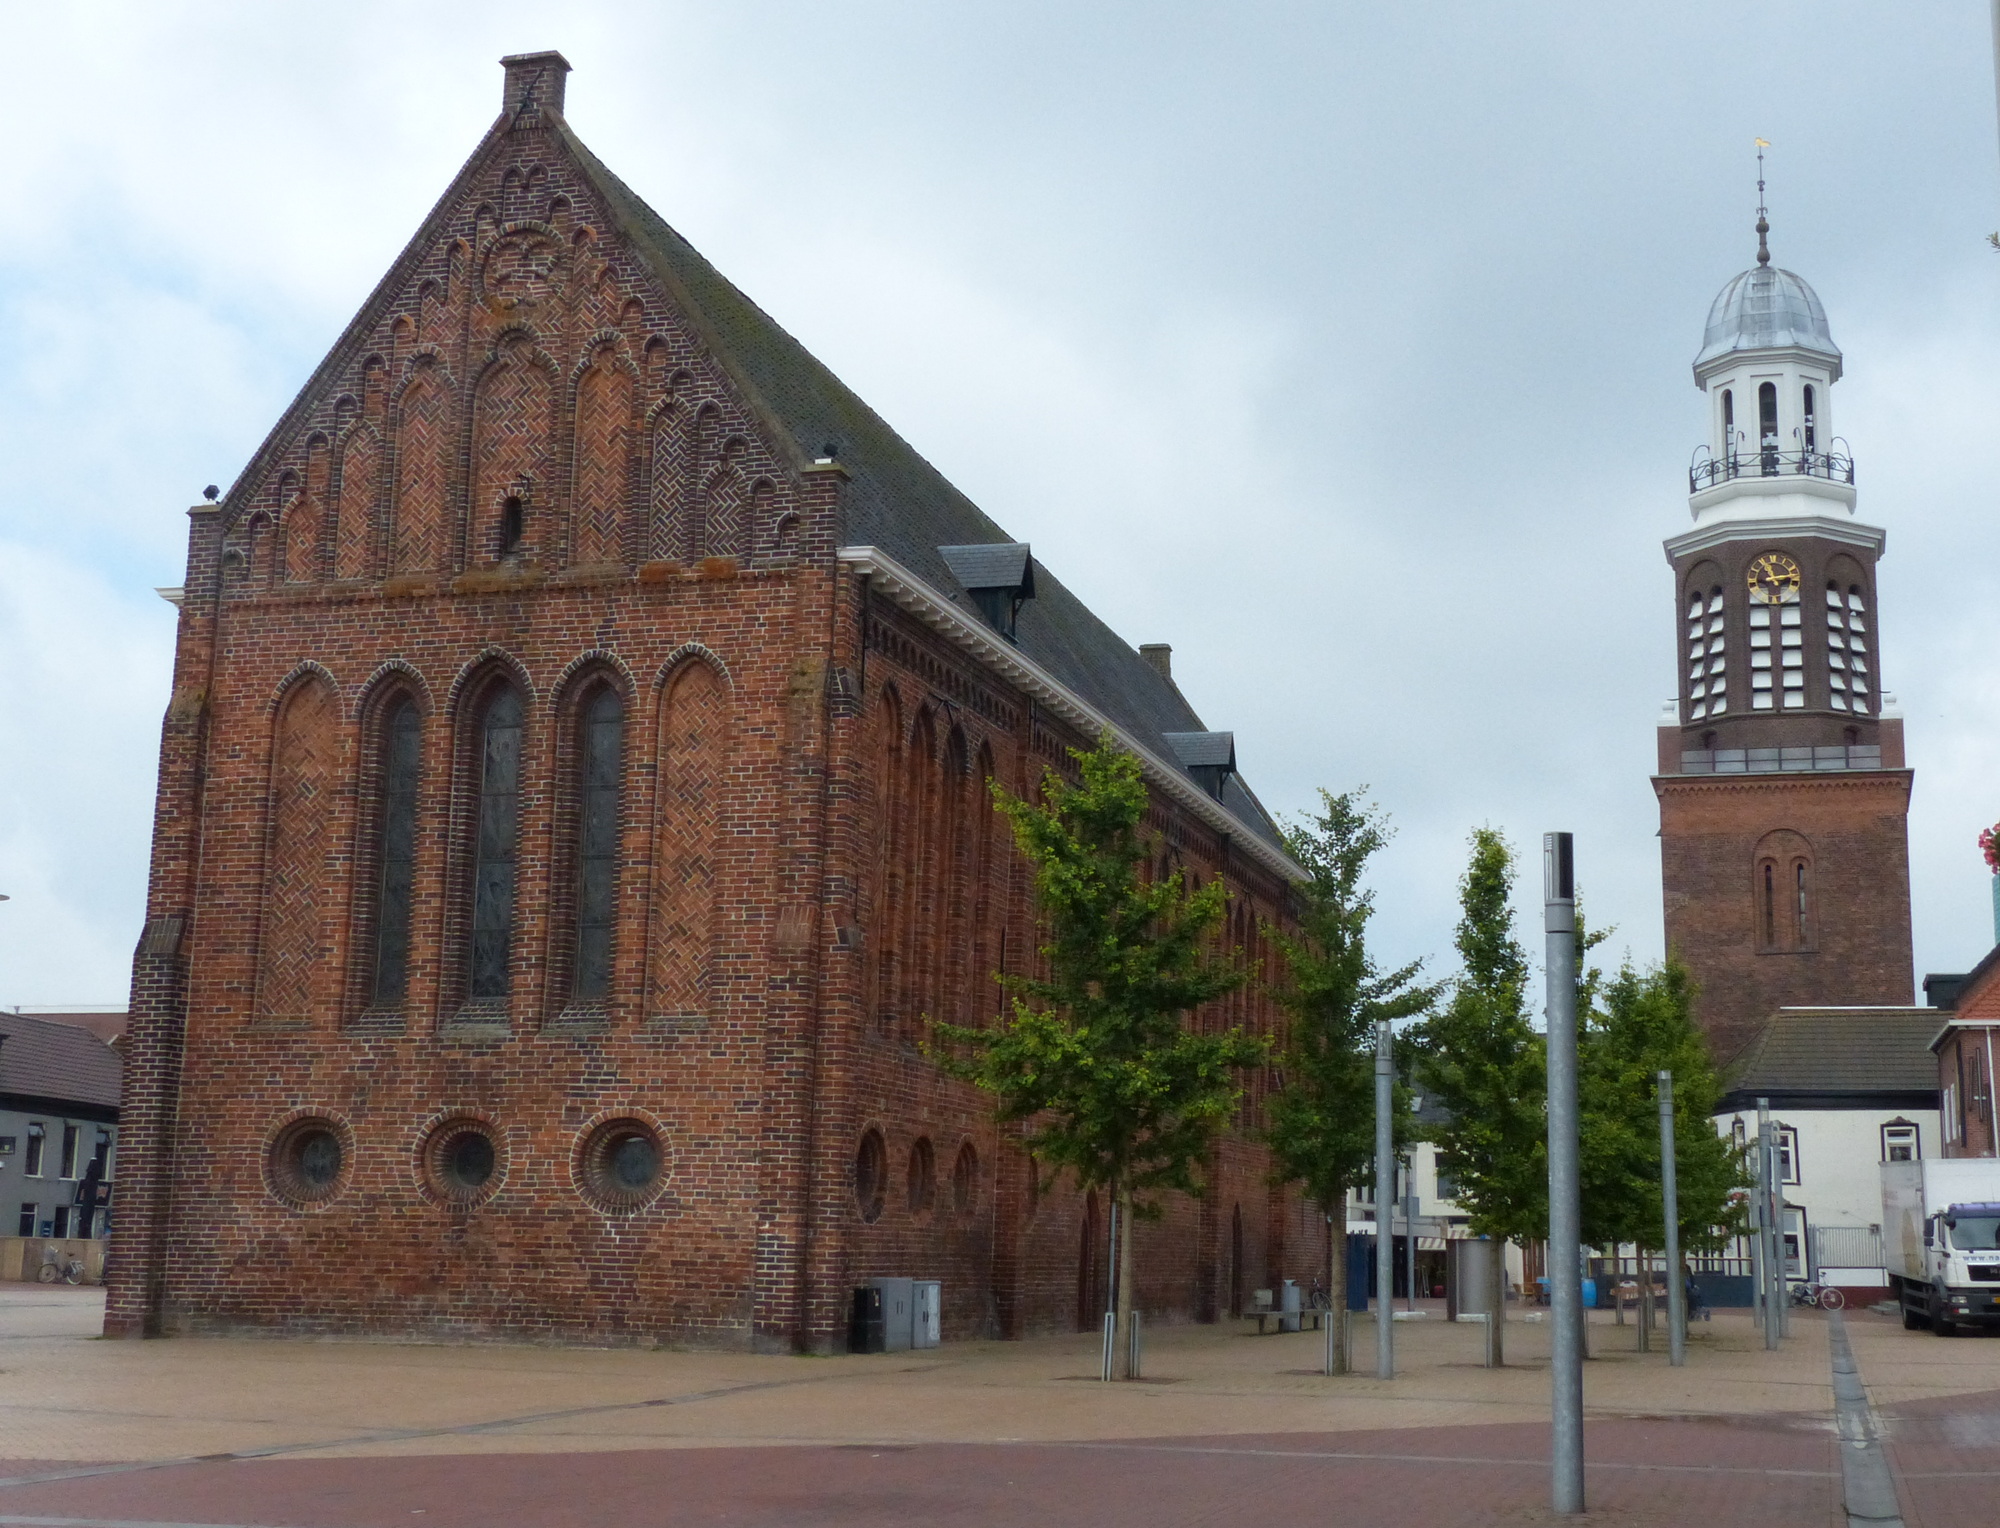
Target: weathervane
column 1763, row 222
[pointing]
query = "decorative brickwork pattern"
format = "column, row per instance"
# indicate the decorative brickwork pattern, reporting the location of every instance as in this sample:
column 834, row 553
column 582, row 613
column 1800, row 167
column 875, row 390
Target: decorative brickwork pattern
column 604, row 398
column 423, row 469
column 294, row 944
column 305, row 520
column 356, row 521
column 511, row 416
column 694, row 743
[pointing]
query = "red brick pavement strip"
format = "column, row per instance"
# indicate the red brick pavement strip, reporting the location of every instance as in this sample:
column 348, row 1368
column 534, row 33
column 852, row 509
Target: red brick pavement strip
column 1644, row 1472
column 1946, row 1455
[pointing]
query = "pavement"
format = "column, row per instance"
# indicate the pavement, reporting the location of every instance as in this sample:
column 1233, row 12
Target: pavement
column 1226, row 1427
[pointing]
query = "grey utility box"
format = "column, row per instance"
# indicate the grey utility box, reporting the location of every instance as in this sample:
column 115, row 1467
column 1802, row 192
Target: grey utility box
column 927, row 1313
column 898, row 1313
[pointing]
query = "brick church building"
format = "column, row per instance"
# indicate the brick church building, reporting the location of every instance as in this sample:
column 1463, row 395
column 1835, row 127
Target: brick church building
column 573, row 811
column 1782, row 785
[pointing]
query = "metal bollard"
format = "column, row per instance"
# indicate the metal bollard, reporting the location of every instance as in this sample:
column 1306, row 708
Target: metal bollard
column 1110, row 1341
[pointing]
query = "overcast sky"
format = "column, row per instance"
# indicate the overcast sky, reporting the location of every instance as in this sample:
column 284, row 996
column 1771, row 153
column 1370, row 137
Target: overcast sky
column 1344, row 346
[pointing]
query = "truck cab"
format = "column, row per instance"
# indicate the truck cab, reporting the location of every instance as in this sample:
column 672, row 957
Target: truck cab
column 1960, row 1283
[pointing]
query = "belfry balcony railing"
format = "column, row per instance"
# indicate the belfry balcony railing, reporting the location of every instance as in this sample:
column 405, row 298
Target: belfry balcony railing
column 1708, row 471
column 1771, row 761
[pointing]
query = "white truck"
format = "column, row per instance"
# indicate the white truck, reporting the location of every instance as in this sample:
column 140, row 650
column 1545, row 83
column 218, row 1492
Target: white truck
column 1941, row 1241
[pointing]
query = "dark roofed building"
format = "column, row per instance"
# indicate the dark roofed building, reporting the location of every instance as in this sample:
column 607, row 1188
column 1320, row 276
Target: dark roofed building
column 1848, row 1089
column 59, row 1096
column 574, row 814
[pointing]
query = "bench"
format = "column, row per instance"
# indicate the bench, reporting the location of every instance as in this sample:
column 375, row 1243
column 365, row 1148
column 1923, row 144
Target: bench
column 1270, row 1318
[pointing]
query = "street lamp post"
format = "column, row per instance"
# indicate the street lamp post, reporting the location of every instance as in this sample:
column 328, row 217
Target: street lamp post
column 1385, row 1205
column 1565, row 1205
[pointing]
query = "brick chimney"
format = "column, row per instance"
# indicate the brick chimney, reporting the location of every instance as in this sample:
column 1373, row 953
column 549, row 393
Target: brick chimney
column 534, row 82
column 1160, row 655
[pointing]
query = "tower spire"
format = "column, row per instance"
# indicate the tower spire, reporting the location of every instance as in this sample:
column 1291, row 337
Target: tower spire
column 1763, row 222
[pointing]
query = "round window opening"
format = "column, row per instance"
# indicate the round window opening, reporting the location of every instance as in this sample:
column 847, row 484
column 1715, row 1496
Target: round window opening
column 306, row 1161
column 622, row 1164
column 462, row 1161
column 871, row 1173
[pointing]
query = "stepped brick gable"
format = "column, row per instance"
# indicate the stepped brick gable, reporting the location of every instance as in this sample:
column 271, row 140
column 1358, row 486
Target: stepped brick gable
column 574, row 812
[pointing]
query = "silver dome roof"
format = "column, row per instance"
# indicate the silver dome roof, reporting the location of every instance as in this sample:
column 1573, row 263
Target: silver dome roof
column 1766, row 308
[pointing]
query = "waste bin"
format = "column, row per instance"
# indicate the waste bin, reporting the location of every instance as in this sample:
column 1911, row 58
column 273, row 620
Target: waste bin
column 1288, row 1306
column 864, row 1322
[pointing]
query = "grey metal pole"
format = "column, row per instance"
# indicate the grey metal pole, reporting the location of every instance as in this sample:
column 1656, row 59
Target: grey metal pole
column 1565, row 1206
column 1773, row 1281
column 1385, row 1205
column 1670, row 1206
column 1111, row 1296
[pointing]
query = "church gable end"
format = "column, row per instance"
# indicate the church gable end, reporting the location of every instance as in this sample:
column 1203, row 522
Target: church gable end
column 522, row 391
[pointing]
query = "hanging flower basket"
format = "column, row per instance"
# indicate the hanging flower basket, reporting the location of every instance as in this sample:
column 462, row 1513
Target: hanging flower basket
column 1989, row 845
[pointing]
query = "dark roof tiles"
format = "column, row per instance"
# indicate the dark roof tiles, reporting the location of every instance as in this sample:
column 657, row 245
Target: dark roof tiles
column 1839, row 1050
column 64, row 1063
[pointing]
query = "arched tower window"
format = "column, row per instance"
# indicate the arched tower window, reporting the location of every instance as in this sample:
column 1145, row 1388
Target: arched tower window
column 1784, row 892
column 1792, row 654
column 1848, row 672
column 493, row 856
column 1801, row 928
column 1812, row 422
column 1728, row 424
column 1769, row 907
column 397, row 765
column 600, row 767
column 1767, row 428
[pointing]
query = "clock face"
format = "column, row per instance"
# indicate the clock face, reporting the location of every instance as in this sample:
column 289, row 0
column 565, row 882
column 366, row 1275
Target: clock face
column 1774, row 579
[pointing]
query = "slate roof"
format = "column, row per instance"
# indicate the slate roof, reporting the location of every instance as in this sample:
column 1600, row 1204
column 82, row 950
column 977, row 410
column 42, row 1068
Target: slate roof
column 60, row 1063
column 1838, row 1057
column 896, row 500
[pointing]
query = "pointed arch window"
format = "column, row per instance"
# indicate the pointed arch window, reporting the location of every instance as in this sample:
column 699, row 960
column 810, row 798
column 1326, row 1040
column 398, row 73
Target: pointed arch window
column 494, row 849
column 600, row 757
column 396, row 853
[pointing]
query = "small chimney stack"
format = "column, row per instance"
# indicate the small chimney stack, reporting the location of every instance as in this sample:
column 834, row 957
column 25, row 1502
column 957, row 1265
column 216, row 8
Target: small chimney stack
column 534, row 85
column 1160, row 655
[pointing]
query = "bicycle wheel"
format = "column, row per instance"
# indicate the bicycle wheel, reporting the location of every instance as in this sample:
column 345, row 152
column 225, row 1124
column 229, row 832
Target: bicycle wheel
column 48, row 1273
column 1831, row 1298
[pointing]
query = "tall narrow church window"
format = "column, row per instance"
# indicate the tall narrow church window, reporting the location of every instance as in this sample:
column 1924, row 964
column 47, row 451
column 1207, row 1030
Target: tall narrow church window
column 1717, row 673
column 1767, row 428
column 1760, row 658
column 600, row 763
column 1836, row 648
column 493, row 852
column 1800, row 930
column 1697, row 663
column 1770, row 906
column 1811, row 426
column 1791, row 654
column 1728, row 424
column 396, row 854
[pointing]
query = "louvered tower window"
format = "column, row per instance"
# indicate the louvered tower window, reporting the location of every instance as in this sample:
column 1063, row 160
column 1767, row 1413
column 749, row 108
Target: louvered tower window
column 1847, row 649
column 1708, row 676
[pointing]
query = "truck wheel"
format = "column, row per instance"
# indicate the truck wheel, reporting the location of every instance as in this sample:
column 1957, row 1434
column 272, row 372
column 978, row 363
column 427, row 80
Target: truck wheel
column 1913, row 1320
column 1942, row 1324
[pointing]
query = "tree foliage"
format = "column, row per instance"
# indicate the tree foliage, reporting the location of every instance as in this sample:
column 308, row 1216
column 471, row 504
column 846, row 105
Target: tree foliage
column 1095, row 1059
column 1483, row 1061
column 1643, row 1023
column 1321, row 1124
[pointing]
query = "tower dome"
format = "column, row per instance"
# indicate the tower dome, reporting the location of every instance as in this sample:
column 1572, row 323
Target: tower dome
column 1766, row 308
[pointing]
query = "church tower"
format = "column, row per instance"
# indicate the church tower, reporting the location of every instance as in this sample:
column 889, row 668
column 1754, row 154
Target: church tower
column 1783, row 793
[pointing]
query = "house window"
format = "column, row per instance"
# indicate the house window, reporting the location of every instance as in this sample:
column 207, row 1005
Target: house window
column 1901, row 1143
column 1788, row 1154
column 69, row 1137
column 396, row 850
column 37, row 1144
column 26, row 1226
column 602, row 753
column 493, row 852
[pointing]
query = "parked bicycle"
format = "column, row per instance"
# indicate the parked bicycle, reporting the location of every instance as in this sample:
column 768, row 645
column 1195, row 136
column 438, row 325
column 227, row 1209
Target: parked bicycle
column 1825, row 1296
column 56, row 1266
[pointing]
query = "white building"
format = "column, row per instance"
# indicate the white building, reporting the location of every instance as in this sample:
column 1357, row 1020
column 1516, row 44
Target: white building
column 1848, row 1089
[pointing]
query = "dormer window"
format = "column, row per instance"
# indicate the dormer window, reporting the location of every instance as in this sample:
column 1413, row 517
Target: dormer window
column 1000, row 577
column 1208, row 756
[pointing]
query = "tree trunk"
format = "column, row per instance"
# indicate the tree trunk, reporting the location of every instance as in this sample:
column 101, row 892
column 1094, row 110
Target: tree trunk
column 1336, row 1282
column 1121, row 1344
column 1496, row 1309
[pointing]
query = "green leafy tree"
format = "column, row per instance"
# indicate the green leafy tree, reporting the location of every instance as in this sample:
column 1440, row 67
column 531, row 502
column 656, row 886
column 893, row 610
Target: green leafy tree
column 1484, row 1063
column 1321, row 1125
column 1095, row 1060
column 1643, row 1024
